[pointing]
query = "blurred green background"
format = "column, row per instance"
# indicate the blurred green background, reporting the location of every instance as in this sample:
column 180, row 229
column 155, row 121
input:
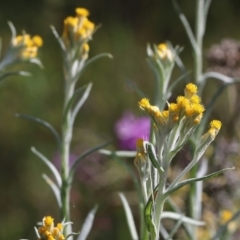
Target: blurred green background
column 126, row 28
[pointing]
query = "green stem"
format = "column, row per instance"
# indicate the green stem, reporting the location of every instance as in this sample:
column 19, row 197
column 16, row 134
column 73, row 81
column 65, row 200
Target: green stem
column 65, row 152
column 199, row 39
column 159, row 203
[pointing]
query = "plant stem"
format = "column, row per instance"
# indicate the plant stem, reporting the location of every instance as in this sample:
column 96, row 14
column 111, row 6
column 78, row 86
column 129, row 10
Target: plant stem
column 65, row 152
column 199, row 39
column 195, row 202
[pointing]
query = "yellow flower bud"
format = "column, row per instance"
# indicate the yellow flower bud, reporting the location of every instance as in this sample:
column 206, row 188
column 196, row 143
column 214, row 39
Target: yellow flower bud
column 82, row 12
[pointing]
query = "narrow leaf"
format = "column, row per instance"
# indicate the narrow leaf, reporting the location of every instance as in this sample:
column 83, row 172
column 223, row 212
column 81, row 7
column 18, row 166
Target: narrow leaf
column 93, row 59
column 50, row 166
column 81, row 102
column 18, row 73
column 71, row 234
column 13, row 30
column 37, row 233
column 218, row 76
column 186, row 25
column 192, row 180
column 129, row 216
column 43, row 123
column 148, row 216
column 177, row 210
column 175, row 228
column 72, row 101
column 178, row 216
column 59, row 39
column 87, row 225
column 37, row 62
column 54, row 188
column 152, row 155
column 127, row 154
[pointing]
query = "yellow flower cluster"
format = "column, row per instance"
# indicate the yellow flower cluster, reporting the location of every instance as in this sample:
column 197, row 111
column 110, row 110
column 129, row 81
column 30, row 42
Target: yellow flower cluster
column 78, row 29
column 165, row 52
column 48, row 232
column 188, row 106
column 28, row 46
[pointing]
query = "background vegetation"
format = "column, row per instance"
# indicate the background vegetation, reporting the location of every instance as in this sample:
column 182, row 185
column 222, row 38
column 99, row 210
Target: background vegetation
column 126, row 28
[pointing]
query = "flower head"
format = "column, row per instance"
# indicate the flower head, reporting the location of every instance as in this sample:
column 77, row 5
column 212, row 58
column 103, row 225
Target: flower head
column 215, row 126
column 165, row 52
column 78, row 29
column 28, row 47
column 190, row 90
column 48, row 232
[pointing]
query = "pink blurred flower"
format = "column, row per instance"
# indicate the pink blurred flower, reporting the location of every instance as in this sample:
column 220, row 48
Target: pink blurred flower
column 129, row 128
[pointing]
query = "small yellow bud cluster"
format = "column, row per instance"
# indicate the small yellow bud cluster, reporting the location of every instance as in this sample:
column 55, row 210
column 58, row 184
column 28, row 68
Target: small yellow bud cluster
column 78, row 29
column 141, row 158
column 164, row 52
column 190, row 104
column 28, row 46
column 154, row 112
column 48, row 232
column 187, row 106
column 215, row 126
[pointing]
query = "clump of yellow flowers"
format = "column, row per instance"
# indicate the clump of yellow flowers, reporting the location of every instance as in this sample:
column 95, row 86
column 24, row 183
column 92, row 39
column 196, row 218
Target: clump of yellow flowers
column 48, row 232
column 172, row 129
column 27, row 45
column 78, row 30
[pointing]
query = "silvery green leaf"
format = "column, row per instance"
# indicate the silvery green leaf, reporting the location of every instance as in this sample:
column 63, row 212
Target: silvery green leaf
column 186, row 25
column 13, row 30
column 36, row 231
column 87, row 225
column 54, row 188
column 50, row 166
column 192, row 180
column 150, row 150
column 129, row 216
column 93, row 59
column 176, row 209
column 36, row 61
column 148, row 216
column 71, row 234
column 72, row 101
column 164, row 233
column 81, row 102
column 175, row 228
column 178, row 216
column 59, row 39
column 18, row 73
column 149, row 50
column 218, row 76
column 43, row 123
column 128, row 154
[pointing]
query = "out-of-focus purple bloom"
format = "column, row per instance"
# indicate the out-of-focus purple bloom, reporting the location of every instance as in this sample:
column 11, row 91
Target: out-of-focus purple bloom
column 129, row 128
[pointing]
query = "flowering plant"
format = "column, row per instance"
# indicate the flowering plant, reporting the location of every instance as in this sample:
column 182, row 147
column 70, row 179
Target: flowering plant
column 174, row 127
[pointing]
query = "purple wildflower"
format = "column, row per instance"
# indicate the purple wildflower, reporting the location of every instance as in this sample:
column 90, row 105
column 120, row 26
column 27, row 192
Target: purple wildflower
column 129, row 128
